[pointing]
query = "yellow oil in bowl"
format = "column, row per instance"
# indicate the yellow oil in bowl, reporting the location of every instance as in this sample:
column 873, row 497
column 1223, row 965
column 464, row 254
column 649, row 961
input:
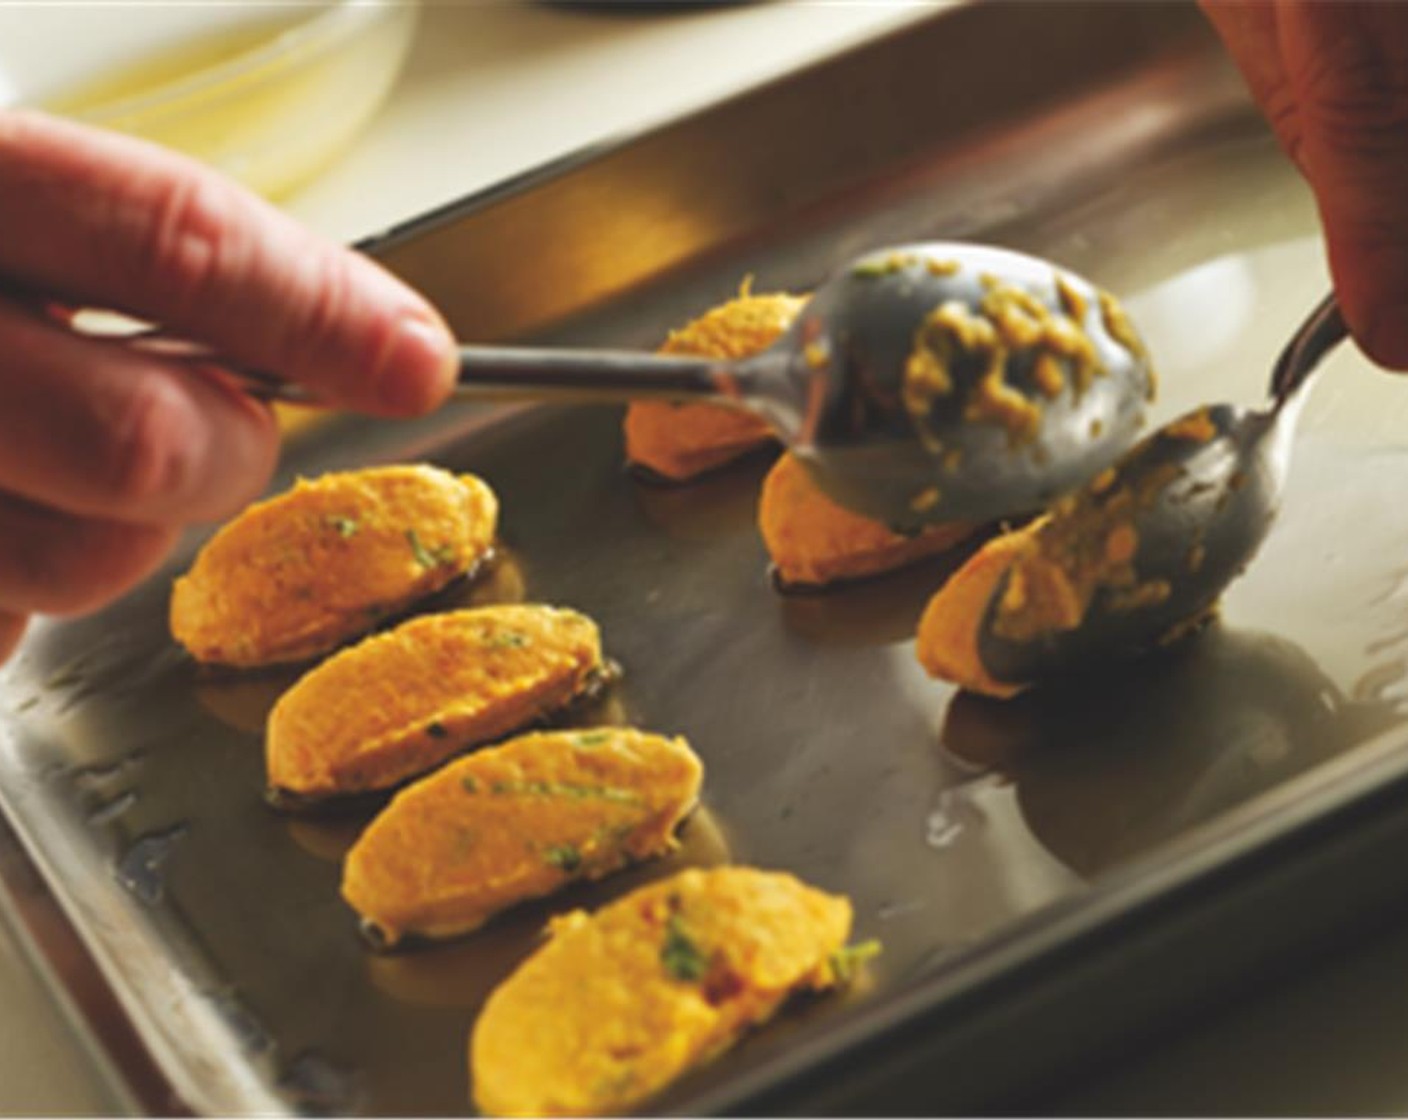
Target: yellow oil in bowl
column 269, row 101
column 132, row 84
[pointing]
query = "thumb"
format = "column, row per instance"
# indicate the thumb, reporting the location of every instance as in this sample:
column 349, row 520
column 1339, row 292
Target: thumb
column 1348, row 64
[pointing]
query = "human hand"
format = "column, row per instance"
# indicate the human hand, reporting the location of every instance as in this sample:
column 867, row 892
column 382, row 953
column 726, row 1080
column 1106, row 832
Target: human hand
column 1332, row 79
column 107, row 452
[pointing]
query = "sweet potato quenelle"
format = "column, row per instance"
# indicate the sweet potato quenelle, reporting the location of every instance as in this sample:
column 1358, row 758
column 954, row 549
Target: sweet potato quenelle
column 400, row 703
column 813, row 541
column 679, row 442
column 514, row 822
column 947, row 641
column 620, row 1003
column 1041, row 581
column 301, row 573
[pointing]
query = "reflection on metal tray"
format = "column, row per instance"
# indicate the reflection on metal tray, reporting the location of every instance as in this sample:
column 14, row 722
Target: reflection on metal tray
column 982, row 843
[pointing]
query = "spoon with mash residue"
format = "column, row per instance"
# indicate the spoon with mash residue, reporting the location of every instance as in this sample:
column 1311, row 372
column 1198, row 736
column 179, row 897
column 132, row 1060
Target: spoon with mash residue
column 923, row 383
column 1141, row 554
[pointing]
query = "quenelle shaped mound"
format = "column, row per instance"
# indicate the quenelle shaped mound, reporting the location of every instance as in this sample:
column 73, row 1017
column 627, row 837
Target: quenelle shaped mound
column 947, row 641
column 303, row 572
column 400, row 703
column 678, row 442
column 517, row 821
column 618, row 1004
column 813, row 541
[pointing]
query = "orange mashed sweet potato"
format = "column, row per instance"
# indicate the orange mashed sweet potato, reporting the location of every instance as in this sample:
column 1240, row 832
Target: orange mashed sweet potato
column 307, row 570
column 402, row 702
column 680, row 441
column 618, row 1004
column 947, row 642
column 518, row 821
column 813, row 541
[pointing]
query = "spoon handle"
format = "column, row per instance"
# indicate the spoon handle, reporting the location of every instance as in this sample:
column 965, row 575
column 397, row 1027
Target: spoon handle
column 519, row 371
column 1322, row 330
column 602, row 374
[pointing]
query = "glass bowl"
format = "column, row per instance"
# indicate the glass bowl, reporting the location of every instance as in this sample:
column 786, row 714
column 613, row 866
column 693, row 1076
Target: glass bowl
column 267, row 93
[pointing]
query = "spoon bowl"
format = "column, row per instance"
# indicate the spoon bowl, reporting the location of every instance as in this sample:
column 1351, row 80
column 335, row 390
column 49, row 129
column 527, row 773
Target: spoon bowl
column 1142, row 553
column 924, row 383
column 941, row 382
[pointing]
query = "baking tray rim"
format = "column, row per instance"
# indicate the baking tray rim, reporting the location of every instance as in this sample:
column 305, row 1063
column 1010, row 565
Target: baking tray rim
column 1226, row 849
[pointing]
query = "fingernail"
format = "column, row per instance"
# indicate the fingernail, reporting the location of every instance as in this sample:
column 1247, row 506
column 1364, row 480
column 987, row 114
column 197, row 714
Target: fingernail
column 418, row 368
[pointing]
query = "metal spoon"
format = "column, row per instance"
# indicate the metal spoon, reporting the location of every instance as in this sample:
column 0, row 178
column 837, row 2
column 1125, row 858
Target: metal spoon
column 928, row 382
column 1141, row 553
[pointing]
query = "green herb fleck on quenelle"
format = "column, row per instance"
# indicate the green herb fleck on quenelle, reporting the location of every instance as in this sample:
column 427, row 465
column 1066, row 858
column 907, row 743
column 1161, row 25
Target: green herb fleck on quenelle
column 565, row 857
column 428, row 557
column 846, row 962
column 507, row 639
column 465, row 841
column 570, row 790
column 615, row 835
column 680, row 955
column 344, row 527
column 470, row 783
column 593, row 738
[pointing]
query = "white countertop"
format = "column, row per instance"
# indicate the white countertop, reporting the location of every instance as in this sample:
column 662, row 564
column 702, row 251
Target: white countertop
column 497, row 86
column 494, row 87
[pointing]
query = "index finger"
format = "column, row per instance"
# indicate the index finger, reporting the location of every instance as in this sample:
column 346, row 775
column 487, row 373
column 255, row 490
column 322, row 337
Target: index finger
column 1248, row 29
column 111, row 221
column 1349, row 64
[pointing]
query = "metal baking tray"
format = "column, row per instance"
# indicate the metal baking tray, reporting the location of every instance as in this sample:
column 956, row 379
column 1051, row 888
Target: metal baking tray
column 1045, row 875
